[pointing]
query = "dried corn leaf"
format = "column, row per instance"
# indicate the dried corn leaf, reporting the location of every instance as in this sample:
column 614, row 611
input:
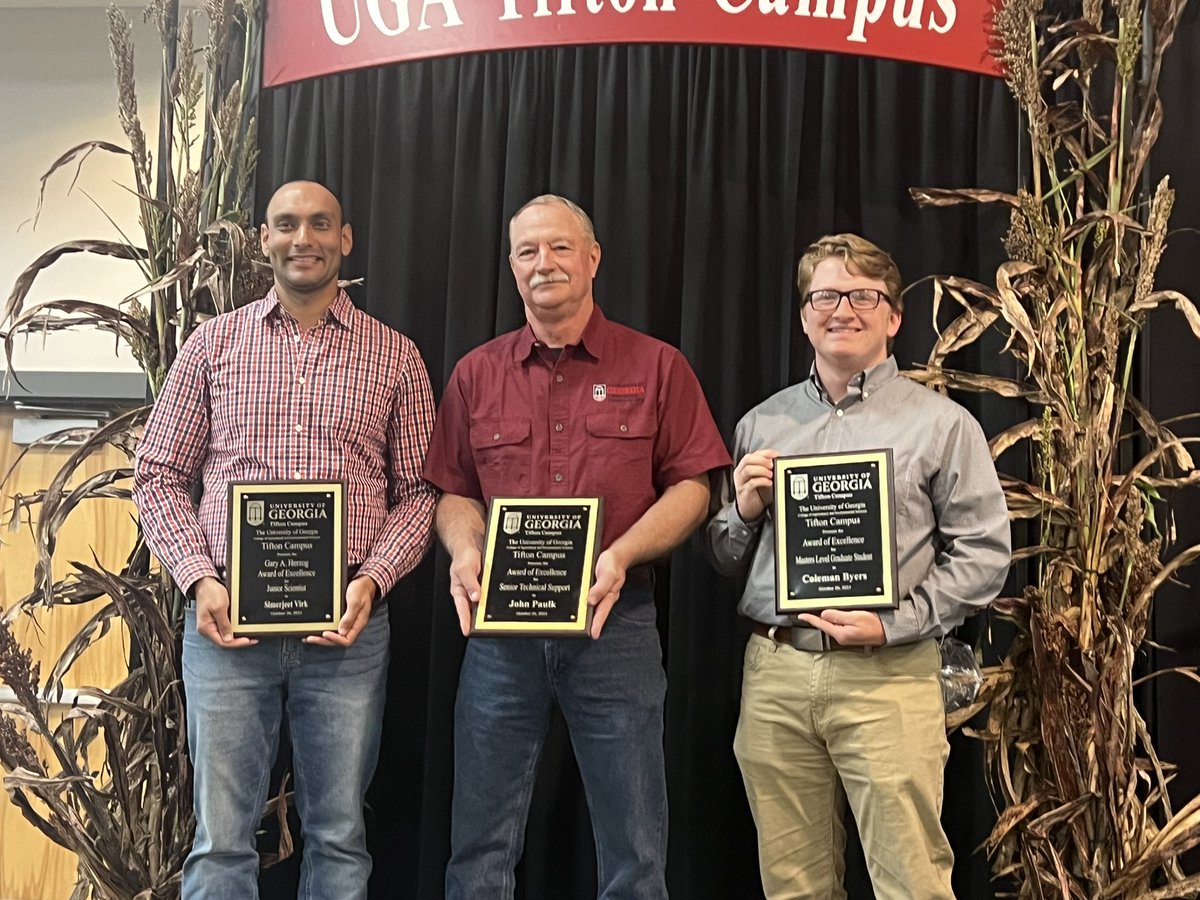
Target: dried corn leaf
column 962, row 332
column 1181, row 303
column 1030, row 428
column 970, row 381
column 956, row 196
column 1159, row 434
column 1181, row 833
column 1186, row 887
column 24, row 282
column 1177, row 562
column 77, row 154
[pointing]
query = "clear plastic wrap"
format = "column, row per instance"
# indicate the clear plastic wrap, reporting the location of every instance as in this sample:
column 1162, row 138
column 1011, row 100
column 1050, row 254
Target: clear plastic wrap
column 961, row 676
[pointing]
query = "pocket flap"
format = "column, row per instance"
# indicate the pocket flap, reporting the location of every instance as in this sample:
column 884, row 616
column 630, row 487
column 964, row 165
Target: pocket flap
column 498, row 432
column 619, row 425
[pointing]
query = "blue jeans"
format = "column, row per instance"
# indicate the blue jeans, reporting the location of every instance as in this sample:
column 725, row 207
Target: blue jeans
column 236, row 700
column 611, row 693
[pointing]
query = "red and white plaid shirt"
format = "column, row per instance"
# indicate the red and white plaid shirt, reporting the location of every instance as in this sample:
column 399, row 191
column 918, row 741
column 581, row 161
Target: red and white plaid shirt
column 252, row 398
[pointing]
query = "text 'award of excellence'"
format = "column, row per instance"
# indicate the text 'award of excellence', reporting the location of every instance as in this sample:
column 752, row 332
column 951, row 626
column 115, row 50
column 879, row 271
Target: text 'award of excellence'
column 287, row 556
column 835, row 537
column 538, row 562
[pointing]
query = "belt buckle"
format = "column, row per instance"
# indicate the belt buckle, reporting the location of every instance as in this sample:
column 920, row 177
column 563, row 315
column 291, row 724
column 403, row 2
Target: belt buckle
column 828, row 643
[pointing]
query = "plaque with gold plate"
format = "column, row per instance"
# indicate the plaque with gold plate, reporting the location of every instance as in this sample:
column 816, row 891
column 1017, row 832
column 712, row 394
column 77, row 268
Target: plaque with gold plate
column 538, row 563
column 835, row 534
column 286, row 569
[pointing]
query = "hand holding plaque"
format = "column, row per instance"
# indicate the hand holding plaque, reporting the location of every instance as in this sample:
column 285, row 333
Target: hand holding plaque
column 835, row 539
column 538, row 562
column 287, row 557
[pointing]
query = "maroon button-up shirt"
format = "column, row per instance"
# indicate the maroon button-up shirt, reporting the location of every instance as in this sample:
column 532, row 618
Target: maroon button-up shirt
column 620, row 415
column 250, row 397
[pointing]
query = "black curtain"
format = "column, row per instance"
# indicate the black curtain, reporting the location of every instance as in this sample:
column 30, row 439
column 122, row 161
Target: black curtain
column 1170, row 376
column 707, row 171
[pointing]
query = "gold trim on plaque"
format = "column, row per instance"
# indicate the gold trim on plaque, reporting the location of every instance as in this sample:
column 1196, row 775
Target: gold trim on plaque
column 887, row 597
column 581, row 625
column 239, row 489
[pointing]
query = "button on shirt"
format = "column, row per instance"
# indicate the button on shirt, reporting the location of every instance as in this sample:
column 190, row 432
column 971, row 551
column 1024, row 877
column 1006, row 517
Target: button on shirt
column 620, row 415
column 952, row 533
column 251, row 398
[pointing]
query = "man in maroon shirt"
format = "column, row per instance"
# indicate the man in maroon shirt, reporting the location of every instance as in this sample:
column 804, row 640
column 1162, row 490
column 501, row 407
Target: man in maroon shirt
column 571, row 405
column 297, row 385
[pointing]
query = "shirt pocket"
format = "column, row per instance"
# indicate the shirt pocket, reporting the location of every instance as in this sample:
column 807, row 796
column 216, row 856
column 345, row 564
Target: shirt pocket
column 503, row 455
column 620, row 453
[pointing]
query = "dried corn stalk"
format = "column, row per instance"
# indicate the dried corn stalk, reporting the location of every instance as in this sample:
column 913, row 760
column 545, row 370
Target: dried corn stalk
column 1085, row 812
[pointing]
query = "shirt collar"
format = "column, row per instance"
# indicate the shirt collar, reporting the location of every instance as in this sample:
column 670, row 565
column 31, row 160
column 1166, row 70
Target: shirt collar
column 861, row 386
column 340, row 312
column 592, row 341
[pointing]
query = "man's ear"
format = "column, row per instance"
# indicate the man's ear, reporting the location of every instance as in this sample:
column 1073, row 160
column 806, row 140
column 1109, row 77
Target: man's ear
column 347, row 239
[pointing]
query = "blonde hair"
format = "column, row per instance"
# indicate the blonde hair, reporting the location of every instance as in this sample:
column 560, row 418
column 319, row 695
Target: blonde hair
column 859, row 253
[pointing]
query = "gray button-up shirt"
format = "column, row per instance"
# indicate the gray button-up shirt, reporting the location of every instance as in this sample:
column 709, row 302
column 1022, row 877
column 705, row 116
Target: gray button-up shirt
column 952, row 534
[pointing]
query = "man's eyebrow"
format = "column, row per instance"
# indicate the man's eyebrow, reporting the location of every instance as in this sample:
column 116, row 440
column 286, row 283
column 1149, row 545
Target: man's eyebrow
column 293, row 217
column 531, row 242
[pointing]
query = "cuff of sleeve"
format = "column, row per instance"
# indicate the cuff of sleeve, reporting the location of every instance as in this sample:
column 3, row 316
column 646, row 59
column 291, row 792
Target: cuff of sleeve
column 190, row 570
column 736, row 537
column 900, row 624
column 381, row 573
column 739, row 528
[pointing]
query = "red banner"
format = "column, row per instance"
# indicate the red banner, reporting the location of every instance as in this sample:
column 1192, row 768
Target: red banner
column 306, row 38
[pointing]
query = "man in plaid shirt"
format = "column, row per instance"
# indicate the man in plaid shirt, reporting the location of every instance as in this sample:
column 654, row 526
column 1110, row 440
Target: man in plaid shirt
column 297, row 385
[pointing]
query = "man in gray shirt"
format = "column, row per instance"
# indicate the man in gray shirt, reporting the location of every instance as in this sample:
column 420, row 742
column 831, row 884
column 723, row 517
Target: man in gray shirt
column 866, row 724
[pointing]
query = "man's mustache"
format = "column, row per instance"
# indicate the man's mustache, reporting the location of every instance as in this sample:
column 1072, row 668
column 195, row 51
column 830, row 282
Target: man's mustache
column 553, row 278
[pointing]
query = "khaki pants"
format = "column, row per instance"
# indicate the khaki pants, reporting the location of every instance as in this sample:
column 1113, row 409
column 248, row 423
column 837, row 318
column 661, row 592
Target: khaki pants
column 818, row 729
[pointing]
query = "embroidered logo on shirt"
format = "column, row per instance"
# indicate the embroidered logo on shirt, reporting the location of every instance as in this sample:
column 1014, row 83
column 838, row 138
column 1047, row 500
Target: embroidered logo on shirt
column 626, row 392
column 599, row 392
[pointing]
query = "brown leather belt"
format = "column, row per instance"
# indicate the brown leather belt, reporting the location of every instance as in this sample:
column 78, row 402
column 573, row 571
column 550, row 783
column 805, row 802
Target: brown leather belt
column 811, row 639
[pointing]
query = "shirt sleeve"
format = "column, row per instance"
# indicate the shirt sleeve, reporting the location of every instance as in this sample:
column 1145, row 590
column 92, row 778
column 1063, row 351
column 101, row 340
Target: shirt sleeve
column 729, row 540
column 973, row 541
column 689, row 442
column 450, row 465
column 407, row 530
column 169, row 457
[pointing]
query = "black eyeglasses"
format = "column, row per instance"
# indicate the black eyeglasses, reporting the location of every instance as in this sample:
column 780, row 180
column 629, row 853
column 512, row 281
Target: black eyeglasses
column 860, row 298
